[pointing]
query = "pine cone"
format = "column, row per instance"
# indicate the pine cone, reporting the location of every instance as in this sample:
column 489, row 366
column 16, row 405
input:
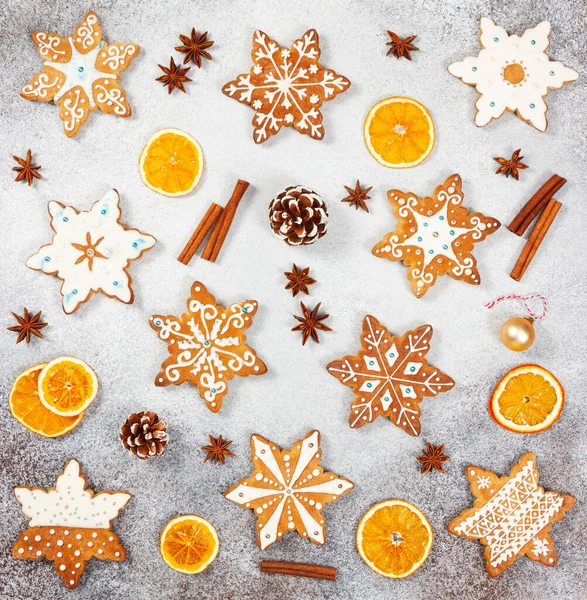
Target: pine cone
column 298, row 215
column 144, row 435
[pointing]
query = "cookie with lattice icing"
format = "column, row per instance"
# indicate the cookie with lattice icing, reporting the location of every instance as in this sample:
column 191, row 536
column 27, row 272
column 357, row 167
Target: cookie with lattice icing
column 91, row 251
column 81, row 73
column 512, row 515
column 288, row 489
column 513, row 73
column 435, row 236
column 286, row 87
column 69, row 524
column 207, row 345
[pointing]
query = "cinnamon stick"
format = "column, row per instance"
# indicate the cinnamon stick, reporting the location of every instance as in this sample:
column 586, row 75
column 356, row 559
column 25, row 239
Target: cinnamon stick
column 538, row 201
column 220, row 231
column 536, row 236
column 298, row 569
column 200, row 233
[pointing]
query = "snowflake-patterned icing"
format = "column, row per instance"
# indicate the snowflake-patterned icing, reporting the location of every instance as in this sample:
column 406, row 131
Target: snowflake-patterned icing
column 286, row 87
column 435, row 236
column 483, row 482
column 207, row 345
column 513, row 73
column 512, row 516
column 91, row 251
column 288, row 489
column 390, row 376
column 69, row 524
column 81, row 73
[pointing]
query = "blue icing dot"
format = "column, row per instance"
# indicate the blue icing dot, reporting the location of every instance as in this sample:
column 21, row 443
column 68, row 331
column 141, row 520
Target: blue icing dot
column 532, row 105
column 552, row 72
column 474, row 68
column 444, row 247
column 369, row 385
column 206, row 343
column 135, row 245
column 533, row 42
column 408, row 390
column 74, row 292
column 245, row 310
column 492, row 104
column 115, row 283
column 47, row 259
column 496, row 39
column 372, row 362
column 452, row 231
column 80, row 69
column 430, row 251
column 103, row 211
column 441, row 218
column 412, row 369
column 425, row 224
column 213, row 390
column 419, row 239
column 158, row 322
column 65, row 219
column 391, row 354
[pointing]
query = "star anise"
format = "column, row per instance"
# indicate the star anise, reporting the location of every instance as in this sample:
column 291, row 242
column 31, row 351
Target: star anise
column 298, row 280
column 511, row 166
column 401, row 47
column 357, row 197
column 310, row 323
column 174, row 76
column 217, row 450
column 194, row 47
column 27, row 171
column 433, row 458
column 27, row 325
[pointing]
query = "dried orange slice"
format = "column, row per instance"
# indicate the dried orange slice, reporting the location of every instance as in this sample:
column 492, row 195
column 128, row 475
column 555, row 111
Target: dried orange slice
column 189, row 544
column 25, row 406
column 399, row 132
column 171, row 162
column 528, row 399
column 394, row 538
column 67, row 386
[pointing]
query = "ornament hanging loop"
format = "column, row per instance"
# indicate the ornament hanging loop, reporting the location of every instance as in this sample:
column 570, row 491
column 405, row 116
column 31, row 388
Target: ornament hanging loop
column 525, row 301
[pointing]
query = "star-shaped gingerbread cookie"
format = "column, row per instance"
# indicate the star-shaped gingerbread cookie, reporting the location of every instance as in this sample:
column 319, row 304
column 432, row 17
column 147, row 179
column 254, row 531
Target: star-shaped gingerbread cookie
column 390, row 376
column 207, row 345
column 81, row 73
column 512, row 515
column 286, row 87
column 435, row 236
column 288, row 489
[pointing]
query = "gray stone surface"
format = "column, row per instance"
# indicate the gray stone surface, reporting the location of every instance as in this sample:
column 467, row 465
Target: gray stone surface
column 297, row 394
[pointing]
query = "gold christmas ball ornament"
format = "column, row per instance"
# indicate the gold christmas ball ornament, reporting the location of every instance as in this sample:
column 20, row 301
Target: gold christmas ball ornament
column 518, row 333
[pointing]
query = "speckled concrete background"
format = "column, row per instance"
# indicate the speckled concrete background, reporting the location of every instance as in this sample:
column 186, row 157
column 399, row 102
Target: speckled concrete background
column 297, row 394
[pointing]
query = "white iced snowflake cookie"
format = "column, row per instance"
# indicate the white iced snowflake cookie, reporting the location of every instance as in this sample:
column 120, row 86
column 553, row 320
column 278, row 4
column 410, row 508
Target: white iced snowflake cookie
column 91, row 251
column 513, row 73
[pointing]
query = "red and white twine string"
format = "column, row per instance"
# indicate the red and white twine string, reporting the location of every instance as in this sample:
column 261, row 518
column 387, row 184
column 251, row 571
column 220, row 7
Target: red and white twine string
column 525, row 300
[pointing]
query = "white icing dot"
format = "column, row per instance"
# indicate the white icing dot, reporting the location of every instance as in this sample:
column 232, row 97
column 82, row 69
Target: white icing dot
column 90, row 544
column 59, row 554
column 316, row 472
column 37, row 538
column 21, row 550
column 71, row 581
column 117, row 554
column 60, row 542
column 78, row 536
column 318, row 506
column 62, row 567
column 51, row 531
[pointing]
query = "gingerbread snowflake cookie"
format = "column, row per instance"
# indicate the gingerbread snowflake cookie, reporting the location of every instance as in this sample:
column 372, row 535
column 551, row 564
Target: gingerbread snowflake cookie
column 207, row 345
column 91, row 251
column 435, row 236
column 512, row 515
column 286, row 87
column 69, row 525
column 81, row 73
column 513, row 73
column 390, row 376
column 288, row 489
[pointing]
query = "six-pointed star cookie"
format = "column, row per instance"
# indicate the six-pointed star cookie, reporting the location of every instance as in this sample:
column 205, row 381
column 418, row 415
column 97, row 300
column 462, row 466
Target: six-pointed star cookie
column 207, row 345
column 512, row 515
column 69, row 524
column 91, row 251
column 81, row 73
column 286, row 87
column 513, row 73
column 288, row 489
column 390, row 376
column 435, row 236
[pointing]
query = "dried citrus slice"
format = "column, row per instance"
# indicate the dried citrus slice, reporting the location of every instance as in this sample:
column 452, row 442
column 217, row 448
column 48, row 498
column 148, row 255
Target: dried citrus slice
column 25, row 406
column 67, row 386
column 528, row 399
column 189, row 544
column 171, row 162
column 399, row 132
column 394, row 538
